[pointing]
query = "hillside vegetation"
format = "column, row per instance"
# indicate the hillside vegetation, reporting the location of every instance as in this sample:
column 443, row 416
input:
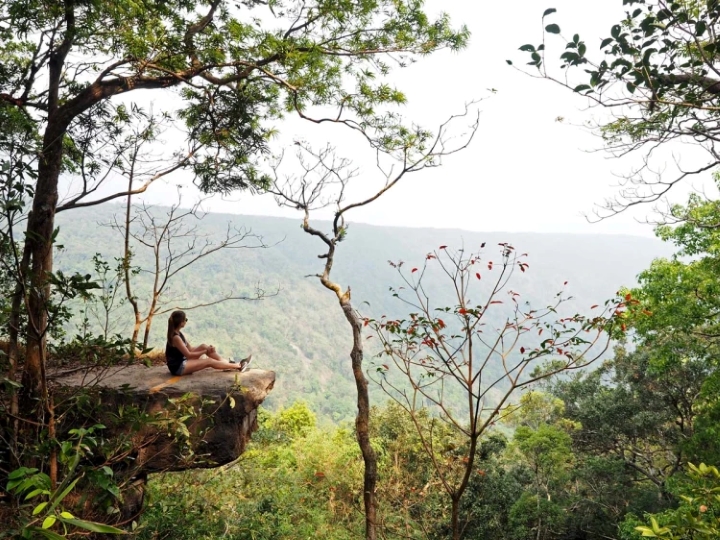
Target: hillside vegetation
column 299, row 332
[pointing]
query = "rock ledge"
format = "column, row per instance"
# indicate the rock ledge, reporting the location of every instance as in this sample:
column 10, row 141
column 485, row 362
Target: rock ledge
column 195, row 421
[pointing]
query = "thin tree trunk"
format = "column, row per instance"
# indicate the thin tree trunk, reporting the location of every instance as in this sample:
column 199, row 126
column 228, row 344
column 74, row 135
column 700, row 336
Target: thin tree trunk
column 156, row 293
column 127, row 257
column 136, row 331
column 537, row 490
column 53, row 451
column 362, row 422
column 457, row 496
column 146, row 335
column 149, row 320
column 14, row 349
column 455, row 517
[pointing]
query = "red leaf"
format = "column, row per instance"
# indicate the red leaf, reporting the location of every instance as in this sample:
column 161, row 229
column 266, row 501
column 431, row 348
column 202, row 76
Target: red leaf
column 623, row 327
column 477, row 275
column 565, row 283
column 628, row 297
column 593, row 306
column 522, row 350
column 443, row 247
column 441, row 323
column 490, row 265
column 482, row 245
column 496, row 302
column 413, row 270
column 462, row 311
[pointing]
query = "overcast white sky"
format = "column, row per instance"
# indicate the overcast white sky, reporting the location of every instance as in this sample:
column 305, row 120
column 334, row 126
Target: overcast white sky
column 525, row 171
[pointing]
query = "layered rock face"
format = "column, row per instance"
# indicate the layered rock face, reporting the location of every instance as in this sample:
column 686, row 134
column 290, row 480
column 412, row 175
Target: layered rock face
column 155, row 422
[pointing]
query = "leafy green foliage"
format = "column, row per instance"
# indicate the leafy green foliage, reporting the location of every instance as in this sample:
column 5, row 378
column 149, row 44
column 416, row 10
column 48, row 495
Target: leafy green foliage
column 293, row 422
column 246, row 68
column 305, row 485
column 291, row 484
column 698, row 515
column 494, row 492
column 683, row 294
column 42, row 506
column 294, row 484
column 634, row 413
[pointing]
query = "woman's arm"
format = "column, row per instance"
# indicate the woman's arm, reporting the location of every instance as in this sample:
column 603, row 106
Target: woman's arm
column 207, row 348
column 192, row 353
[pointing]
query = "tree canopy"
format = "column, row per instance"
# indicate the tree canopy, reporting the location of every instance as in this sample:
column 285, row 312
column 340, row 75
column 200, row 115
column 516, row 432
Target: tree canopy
column 237, row 67
column 658, row 73
column 233, row 67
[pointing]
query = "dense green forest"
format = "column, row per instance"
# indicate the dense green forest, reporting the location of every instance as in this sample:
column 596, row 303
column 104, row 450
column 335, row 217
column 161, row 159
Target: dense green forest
column 298, row 332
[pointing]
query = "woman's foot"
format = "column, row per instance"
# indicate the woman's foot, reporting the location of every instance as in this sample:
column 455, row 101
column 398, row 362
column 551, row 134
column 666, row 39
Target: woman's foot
column 244, row 363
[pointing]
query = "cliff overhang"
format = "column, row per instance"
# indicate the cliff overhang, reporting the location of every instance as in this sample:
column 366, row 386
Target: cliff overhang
column 151, row 422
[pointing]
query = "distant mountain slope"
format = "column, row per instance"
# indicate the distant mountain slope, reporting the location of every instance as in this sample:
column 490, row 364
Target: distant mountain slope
column 301, row 333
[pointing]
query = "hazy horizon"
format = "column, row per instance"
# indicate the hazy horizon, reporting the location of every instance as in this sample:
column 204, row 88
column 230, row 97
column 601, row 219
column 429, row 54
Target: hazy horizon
column 324, row 219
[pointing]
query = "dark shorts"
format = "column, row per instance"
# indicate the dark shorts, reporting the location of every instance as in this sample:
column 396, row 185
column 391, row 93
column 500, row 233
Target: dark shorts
column 180, row 369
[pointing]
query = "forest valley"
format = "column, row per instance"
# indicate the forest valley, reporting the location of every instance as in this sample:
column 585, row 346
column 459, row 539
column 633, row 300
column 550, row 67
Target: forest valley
column 504, row 415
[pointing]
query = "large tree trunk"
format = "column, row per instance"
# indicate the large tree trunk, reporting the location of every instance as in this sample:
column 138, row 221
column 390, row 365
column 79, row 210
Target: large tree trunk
column 41, row 223
column 362, row 422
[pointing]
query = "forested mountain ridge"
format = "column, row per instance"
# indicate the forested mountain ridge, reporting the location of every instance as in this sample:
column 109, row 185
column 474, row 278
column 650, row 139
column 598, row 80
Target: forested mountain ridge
column 300, row 333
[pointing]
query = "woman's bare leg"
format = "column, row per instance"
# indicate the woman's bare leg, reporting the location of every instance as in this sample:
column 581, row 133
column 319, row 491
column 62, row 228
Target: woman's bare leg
column 214, row 355
column 191, row 366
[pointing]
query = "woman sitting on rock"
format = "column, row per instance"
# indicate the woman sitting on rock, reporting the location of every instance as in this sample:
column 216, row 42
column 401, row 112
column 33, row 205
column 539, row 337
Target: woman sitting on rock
column 184, row 359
